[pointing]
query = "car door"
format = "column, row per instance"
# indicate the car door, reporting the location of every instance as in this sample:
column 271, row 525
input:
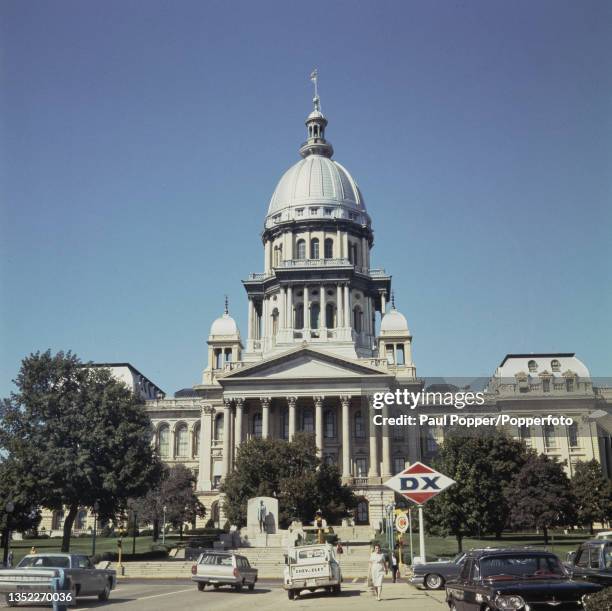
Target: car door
column 582, row 562
column 458, row 589
column 472, row 594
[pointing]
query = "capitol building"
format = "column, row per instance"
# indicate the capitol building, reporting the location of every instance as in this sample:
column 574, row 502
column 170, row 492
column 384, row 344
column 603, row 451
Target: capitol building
column 323, row 336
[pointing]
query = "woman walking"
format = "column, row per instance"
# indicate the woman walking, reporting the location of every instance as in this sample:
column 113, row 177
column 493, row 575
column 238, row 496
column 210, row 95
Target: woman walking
column 378, row 569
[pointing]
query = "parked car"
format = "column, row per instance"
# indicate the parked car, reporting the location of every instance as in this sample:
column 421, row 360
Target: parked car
column 218, row 569
column 517, row 580
column 433, row 575
column 84, row 579
column 592, row 561
column 311, row 567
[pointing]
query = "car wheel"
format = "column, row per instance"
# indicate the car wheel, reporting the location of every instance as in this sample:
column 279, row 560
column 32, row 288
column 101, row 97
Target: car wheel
column 251, row 587
column 434, row 581
column 105, row 593
column 291, row 594
column 201, row 586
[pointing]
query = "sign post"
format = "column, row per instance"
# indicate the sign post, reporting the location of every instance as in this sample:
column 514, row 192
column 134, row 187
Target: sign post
column 419, row 483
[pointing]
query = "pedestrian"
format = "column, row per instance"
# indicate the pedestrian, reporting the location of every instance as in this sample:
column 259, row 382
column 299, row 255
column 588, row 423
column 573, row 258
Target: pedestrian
column 378, row 568
column 339, row 549
column 395, row 562
column 33, row 550
column 9, row 559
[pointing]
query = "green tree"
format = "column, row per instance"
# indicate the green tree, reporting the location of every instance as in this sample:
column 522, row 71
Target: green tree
column 290, row 471
column 483, row 465
column 176, row 493
column 593, row 494
column 76, row 435
column 540, row 496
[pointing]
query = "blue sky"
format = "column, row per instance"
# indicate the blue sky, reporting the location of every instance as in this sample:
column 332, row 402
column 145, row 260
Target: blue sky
column 141, row 142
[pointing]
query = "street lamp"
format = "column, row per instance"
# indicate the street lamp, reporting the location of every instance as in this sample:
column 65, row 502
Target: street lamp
column 132, row 506
column 164, row 526
column 8, row 508
column 96, row 508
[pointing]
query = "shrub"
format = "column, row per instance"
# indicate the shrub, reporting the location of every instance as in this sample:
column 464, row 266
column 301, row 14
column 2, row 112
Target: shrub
column 600, row 601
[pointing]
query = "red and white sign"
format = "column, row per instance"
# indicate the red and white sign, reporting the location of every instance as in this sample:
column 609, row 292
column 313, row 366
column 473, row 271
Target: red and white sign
column 402, row 523
column 419, row 483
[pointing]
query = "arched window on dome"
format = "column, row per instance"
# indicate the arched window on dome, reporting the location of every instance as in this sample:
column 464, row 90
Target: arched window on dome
column 299, row 316
column 315, row 315
column 182, row 441
column 163, row 440
column 300, row 249
column 329, row 248
column 533, row 366
column 314, row 248
column 218, row 358
column 329, row 316
column 357, row 319
column 399, row 352
column 555, row 365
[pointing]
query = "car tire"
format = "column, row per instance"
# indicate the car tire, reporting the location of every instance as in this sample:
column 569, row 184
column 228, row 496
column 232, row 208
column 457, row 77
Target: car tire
column 201, row 586
column 337, row 589
column 103, row 596
column 291, row 594
column 433, row 581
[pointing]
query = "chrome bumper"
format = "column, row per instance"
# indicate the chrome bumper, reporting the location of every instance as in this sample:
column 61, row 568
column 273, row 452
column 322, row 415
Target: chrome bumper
column 416, row 580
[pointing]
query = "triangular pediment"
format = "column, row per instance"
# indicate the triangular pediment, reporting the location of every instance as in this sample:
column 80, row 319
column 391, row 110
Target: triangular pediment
column 304, row 363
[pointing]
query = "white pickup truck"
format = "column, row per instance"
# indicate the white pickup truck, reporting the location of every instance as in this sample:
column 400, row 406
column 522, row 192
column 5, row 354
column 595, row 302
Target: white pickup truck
column 311, row 567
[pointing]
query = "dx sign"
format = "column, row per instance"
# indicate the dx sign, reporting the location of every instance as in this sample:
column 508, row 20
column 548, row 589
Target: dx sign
column 420, row 483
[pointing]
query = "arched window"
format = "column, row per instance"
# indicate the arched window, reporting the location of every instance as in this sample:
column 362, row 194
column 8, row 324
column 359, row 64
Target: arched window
column 357, row 319
column 550, row 440
column 358, row 425
column 315, row 314
column 362, row 514
column 301, row 249
column 164, row 440
column 329, row 424
column 572, row 435
column 555, row 365
column 329, row 248
column 329, row 316
column 196, row 440
column 299, row 316
column 257, row 425
column 274, row 322
column 219, row 427
column 57, row 520
column 307, row 420
column 533, row 366
column 182, row 441
column 81, row 520
column 314, row 248
column 218, row 358
column 399, row 352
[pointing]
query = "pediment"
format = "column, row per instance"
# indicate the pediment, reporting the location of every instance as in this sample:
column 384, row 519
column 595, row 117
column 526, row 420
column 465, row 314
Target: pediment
column 305, row 363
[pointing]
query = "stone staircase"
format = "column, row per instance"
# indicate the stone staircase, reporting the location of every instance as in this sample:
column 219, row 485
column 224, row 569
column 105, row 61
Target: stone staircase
column 268, row 560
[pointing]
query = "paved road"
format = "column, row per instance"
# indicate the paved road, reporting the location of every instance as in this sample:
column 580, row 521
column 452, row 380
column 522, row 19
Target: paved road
column 163, row 595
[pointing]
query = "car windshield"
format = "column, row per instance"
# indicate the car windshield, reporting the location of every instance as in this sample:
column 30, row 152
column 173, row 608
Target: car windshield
column 39, row 562
column 524, row 566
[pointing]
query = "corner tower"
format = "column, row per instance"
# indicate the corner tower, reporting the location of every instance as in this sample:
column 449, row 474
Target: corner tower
column 317, row 286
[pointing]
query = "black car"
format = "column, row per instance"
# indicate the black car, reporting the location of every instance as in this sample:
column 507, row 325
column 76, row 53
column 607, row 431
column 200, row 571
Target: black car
column 592, row 561
column 516, row 580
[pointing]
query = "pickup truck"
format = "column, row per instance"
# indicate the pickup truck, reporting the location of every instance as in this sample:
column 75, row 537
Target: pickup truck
column 311, row 567
column 592, row 561
column 83, row 578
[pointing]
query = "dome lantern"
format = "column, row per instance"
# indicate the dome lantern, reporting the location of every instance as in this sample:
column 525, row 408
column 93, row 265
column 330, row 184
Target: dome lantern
column 315, row 127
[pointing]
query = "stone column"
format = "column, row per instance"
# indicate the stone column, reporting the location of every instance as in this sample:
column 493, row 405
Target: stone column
column 347, row 306
column 265, row 417
column 306, row 313
column 291, row 402
column 339, row 307
column 250, row 321
column 322, row 304
column 345, row 401
column 204, row 467
column 289, row 304
column 239, row 422
column 318, row 401
column 373, row 429
column 282, row 308
column 227, row 427
column 386, row 445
